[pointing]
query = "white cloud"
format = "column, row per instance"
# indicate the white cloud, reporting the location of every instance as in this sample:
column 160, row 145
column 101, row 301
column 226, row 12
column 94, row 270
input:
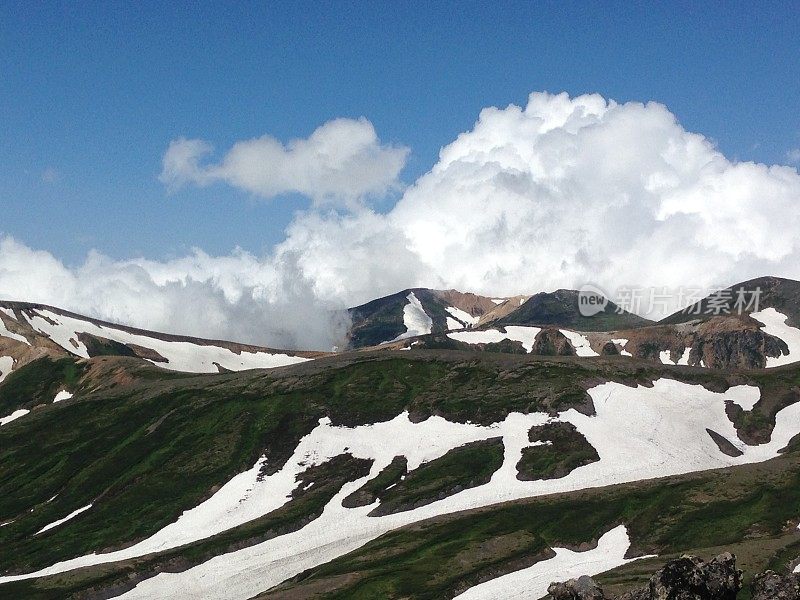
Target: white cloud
column 341, row 161
column 236, row 297
column 558, row 193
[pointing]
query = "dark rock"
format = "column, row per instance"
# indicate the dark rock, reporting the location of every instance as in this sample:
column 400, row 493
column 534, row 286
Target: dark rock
column 551, row 342
column 609, row 349
column 582, row 588
column 771, row 586
column 691, row 578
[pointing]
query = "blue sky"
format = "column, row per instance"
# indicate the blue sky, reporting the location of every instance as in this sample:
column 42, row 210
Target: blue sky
column 91, row 94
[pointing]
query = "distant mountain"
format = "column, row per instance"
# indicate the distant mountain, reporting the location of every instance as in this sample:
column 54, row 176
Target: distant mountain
column 32, row 331
column 709, row 334
column 560, row 309
column 743, row 299
column 420, row 311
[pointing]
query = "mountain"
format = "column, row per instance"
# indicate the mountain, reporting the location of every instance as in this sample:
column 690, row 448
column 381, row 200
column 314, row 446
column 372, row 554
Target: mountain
column 709, row 334
column 384, row 474
column 420, row 311
column 428, row 467
column 31, row 331
column 560, row 309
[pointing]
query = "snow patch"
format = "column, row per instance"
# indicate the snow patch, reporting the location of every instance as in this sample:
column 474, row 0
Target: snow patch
column 6, row 366
column 182, row 356
column 452, row 324
column 415, row 319
column 4, row 331
column 14, row 416
column 71, row 515
column 533, row 581
column 580, row 342
column 774, row 323
column 467, row 319
column 62, row 395
column 515, row 333
column 622, row 342
column 639, row 433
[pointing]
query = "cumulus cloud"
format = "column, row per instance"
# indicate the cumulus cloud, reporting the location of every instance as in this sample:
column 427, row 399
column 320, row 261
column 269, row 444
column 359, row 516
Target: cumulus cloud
column 558, row 193
column 341, row 161
column 237, row 297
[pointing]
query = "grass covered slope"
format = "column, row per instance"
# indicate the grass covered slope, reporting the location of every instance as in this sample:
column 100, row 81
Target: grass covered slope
column 752, row 508
column 155, row 444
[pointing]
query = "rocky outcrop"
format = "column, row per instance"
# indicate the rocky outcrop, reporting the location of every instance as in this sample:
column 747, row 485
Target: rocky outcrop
column 551, row 342
column 687, row 578
column 771, row 586
column 582, row 588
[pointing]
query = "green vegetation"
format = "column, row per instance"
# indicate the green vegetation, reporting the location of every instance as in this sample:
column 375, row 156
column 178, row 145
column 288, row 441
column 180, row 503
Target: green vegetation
column 753, row 506
column 308, row 502
column 564, row 450
column 370, row 491
column 38, row 382
column 145, row 444
column 467, row 466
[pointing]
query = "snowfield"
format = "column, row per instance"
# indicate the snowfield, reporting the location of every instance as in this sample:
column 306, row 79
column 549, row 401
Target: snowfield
column 4, row 332
column 579, row 342
column 14, row 416
column 181, row 356
column 415, row 319
column 532, row 583
column 515, row 333
column 775, row 324
column 638, row 432
column 6, row 365
column 463, row 316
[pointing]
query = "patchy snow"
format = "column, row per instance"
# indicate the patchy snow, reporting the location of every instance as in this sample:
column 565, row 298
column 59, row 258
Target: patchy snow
column 4, row 331
column 666, row 357
column 532, row 582
column 775, row 324
column 62, row 395
column 498, row 301
column 6, row 365
column 579, row 342
column 415, row 319
column 638, row 432
column 621, row 342
column 182, row 356
column 745, row 396
column 684, row 359
column 71, row 515
column 463, row 316
column 14, row 416
column 517, row 333
column 452, row 324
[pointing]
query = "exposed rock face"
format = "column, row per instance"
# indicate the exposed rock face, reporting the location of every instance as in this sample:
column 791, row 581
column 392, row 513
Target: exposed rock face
column 771, row 586
column 687, row 578
column 582, row 588
column 690, row 578
column 551, row 342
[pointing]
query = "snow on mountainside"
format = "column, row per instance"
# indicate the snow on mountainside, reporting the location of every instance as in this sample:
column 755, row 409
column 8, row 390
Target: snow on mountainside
column 28, row 330
column 709, row 334
column 638, row 433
